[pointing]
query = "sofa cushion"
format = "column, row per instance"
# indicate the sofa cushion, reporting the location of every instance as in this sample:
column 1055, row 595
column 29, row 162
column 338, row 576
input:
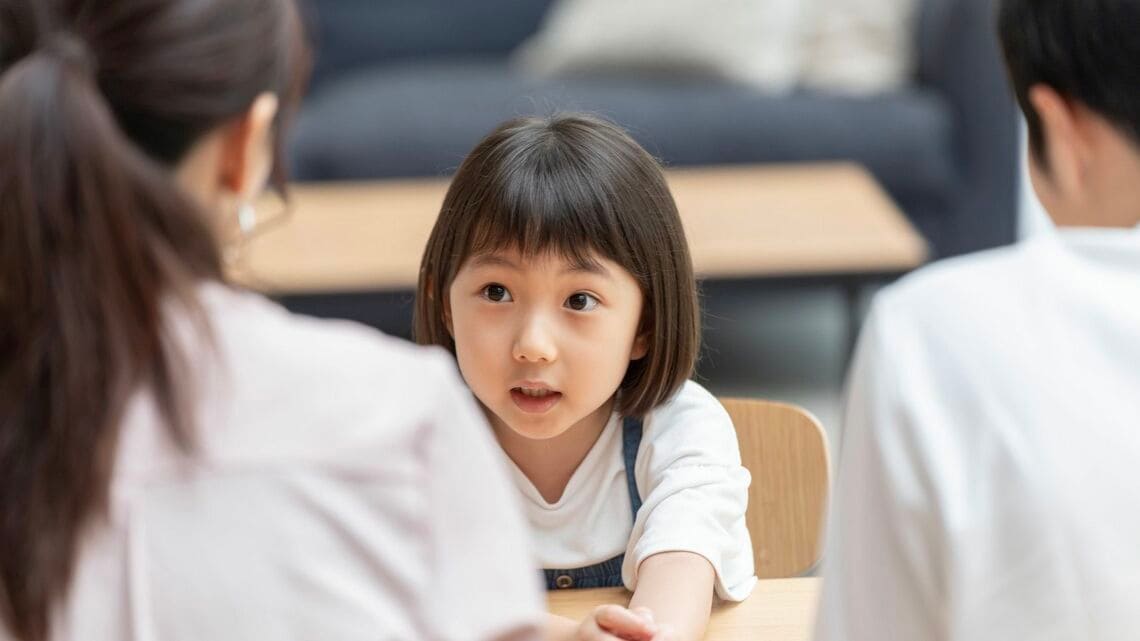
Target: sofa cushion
column 755, row 43
column 422, row 119
column 849, row 46
column 860, row 46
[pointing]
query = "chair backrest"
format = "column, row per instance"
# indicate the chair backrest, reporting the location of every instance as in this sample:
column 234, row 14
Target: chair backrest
column 785, row 449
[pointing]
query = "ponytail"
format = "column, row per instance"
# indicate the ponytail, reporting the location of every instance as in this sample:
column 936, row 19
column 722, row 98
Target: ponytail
column 95, row 241
column 100, row 100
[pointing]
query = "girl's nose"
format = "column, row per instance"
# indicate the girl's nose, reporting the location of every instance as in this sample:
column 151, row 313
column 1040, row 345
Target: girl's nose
column 535, row 342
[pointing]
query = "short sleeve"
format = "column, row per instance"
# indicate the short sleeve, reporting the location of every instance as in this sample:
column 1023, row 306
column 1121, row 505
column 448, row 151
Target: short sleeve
column 881, row 564
column 483, row 580
column 694, row 491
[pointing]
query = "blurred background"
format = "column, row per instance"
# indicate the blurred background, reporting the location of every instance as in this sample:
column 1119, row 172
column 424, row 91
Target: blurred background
column 913, row 90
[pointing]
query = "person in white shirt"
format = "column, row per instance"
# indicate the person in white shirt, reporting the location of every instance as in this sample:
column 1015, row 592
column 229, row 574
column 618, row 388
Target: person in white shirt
column 180, row 460
column 990, row 455
column 559, row 276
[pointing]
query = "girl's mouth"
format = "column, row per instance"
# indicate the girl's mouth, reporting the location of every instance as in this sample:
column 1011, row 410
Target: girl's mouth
column 533, row 400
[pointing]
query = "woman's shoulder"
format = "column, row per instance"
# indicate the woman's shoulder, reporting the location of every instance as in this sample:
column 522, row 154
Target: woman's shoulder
column 320, row 384
column 248, row 326
column 252, row 322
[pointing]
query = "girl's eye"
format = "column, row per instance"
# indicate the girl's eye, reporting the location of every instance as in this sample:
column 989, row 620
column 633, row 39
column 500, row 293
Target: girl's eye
column 496, row 293
column 581, row 302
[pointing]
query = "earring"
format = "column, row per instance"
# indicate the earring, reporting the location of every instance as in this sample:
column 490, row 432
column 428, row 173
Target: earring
column 247, row 218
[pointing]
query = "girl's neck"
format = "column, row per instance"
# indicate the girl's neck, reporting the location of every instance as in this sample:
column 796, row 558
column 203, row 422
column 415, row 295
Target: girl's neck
column 550, row 463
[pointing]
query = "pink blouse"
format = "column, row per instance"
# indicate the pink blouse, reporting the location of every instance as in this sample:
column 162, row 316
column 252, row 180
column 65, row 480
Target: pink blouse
column 344, row 486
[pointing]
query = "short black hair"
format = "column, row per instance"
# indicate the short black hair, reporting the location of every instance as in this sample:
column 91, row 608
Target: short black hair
column 1086, row 50
column 574, row 184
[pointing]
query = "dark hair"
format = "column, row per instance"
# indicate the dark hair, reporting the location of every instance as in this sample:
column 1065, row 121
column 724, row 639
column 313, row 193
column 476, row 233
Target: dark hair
column 99, row 100
column 1086, row 50
column 579, row 186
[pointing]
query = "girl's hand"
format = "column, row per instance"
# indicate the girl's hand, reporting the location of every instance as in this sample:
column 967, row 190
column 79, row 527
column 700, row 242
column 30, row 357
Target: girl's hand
column 615, row 623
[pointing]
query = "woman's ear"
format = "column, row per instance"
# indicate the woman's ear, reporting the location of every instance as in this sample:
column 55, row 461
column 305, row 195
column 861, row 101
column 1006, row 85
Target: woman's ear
column 247, row 149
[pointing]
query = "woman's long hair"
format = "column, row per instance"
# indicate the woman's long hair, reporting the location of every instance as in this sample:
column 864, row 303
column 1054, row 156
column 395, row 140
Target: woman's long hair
column 99, row 101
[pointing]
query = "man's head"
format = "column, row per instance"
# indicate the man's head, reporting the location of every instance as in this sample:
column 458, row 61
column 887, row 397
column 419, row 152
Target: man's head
column 1075, row 67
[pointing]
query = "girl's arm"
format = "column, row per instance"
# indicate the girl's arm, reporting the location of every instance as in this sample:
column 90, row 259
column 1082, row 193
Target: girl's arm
column 677, row 587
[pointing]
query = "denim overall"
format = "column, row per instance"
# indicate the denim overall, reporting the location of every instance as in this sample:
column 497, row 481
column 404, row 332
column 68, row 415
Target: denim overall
column 606, row 574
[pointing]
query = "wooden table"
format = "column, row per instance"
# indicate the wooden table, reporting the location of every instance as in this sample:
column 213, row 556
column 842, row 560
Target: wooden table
column 778, row 610
column 749, row 221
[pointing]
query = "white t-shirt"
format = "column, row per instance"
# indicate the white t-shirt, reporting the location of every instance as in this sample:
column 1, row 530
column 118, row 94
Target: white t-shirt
column 694, row 494
column 991, row 460
column 341, row 484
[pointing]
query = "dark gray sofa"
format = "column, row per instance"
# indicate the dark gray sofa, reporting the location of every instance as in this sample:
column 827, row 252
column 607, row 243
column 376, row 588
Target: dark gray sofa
column 406, row 88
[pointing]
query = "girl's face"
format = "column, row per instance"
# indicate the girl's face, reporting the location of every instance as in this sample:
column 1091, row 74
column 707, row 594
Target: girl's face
column 542, row 343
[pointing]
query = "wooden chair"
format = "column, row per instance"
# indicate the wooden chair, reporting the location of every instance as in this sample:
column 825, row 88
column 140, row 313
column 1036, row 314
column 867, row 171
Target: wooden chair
column 785, row 449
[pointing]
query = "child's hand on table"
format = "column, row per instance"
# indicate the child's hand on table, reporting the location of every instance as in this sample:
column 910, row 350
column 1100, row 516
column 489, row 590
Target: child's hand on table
column 615, row 623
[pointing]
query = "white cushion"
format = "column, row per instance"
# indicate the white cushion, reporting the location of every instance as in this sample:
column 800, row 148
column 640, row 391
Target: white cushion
column 746, row 41
column 859, row 46
column 852, row 46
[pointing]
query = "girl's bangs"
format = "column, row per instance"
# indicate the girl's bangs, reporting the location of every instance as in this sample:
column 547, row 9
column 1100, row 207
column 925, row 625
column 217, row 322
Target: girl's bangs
column 543, row 219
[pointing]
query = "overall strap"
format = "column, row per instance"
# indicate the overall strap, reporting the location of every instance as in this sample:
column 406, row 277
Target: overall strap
column 630, row 442
column 606, row 574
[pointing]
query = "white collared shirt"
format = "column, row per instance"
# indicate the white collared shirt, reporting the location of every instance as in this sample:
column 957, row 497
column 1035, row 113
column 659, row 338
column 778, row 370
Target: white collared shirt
column 990, row 468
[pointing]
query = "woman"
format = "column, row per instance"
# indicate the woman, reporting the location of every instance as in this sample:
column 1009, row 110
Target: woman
column 180, row 460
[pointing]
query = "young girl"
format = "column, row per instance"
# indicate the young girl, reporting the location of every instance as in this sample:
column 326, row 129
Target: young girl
column 559, row 276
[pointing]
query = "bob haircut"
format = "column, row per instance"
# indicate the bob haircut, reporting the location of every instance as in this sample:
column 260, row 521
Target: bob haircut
column 581, row 187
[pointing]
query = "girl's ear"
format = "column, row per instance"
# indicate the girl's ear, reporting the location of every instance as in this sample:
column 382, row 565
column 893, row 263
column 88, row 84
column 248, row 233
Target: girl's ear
column 446, row 308
column 445, row 305
column 640, row 346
